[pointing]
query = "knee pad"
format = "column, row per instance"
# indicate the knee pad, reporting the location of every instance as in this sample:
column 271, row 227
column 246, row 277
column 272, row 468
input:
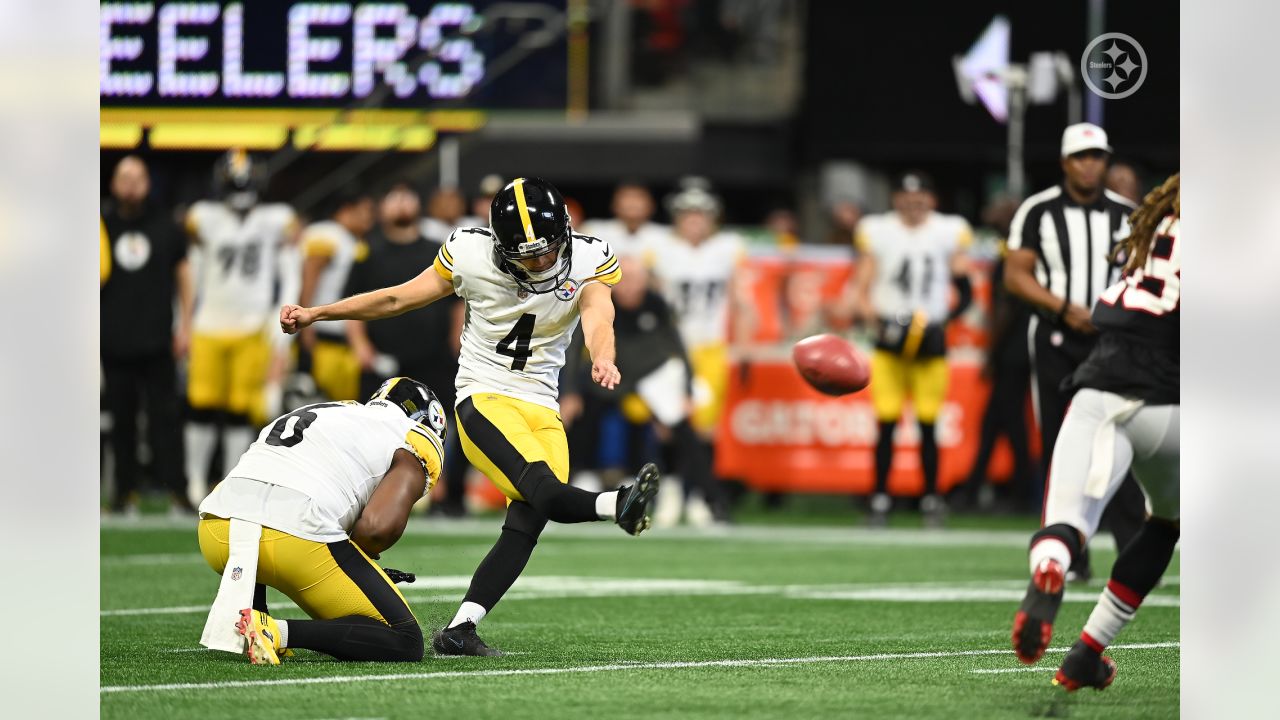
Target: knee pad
column 534, row 475
column 524, row 519
column 1063, row 532
column 409, row 642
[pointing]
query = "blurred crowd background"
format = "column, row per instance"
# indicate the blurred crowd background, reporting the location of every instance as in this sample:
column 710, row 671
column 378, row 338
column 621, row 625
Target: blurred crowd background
column 730, row 150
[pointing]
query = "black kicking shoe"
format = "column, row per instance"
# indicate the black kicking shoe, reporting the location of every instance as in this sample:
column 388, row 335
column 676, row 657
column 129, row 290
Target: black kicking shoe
column 1085, row 667
column 461, row 640
column 634, row 500
column 1033, row 624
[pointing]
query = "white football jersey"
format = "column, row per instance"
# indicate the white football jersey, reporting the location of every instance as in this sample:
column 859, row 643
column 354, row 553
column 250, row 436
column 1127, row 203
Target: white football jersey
column 333, row 455
column 513, row 342
column 913, row 264
column 239, row 264
column 696, row 281
column 330, row 239
column 623, row 241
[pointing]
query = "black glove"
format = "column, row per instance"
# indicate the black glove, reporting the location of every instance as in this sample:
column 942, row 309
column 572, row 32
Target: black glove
column 397, row 576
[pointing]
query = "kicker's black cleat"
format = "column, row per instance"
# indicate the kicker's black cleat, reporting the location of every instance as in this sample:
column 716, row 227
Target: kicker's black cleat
column 634, row 500
column 461, row 639
column 1084, row 667
column 1033, row 623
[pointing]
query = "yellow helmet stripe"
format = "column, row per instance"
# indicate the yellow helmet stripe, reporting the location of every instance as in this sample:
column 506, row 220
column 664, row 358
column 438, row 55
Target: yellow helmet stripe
column 387, row 390
column 523, row 207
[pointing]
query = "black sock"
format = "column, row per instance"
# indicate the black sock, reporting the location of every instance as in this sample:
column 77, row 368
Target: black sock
column 884, row 455
column 929, row 457
column 356, row 637
column 509, row 555
column 260, row 598
column 1141, row 563
column 1137, row 570
column 694, row 463
column 557, row 501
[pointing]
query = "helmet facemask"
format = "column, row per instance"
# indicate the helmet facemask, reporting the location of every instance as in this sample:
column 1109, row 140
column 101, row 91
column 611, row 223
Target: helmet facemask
column 543, row 281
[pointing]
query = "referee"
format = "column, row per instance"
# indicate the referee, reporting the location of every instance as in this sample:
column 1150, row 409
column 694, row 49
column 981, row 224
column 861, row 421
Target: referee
column 1059, row 243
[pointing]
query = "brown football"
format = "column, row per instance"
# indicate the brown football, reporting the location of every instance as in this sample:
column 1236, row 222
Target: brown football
column 831, row 364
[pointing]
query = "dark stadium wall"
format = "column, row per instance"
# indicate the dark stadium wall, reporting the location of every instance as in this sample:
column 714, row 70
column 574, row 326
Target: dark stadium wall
column 879, row 87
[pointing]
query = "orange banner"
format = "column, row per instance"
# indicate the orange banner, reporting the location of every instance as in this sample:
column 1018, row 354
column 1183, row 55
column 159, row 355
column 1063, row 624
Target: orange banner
column 779, row 434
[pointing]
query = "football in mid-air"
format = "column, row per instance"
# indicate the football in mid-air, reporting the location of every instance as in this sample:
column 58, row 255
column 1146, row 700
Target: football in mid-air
column 831, row 364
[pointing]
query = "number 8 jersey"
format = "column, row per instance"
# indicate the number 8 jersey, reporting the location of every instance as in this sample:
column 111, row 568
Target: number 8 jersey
column 514, row 342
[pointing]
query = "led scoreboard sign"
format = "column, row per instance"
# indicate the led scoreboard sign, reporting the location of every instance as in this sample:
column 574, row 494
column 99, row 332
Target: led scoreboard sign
column 264, row 54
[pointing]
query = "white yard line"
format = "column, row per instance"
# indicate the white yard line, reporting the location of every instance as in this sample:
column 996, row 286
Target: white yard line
column 998, row 671
column 824, row 535
column 612, row 667
column 447, row 588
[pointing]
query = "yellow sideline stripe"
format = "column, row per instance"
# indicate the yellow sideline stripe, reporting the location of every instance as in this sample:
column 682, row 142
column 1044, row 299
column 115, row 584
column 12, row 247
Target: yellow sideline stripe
column 523, row 207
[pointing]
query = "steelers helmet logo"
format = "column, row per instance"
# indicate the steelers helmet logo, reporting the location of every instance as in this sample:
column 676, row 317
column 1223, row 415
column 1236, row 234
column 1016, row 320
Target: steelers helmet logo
column 566, row 290
column 435, row 417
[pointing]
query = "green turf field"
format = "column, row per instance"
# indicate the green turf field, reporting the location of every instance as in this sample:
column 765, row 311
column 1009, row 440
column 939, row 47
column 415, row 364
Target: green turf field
column 757, row 621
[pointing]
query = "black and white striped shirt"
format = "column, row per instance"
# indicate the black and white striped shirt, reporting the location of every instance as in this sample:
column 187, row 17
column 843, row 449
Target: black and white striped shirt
column 1071, row 241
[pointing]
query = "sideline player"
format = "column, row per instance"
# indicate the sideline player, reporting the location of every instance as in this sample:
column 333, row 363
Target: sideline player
column 695, row 268
column 323, row 491
column 329, row 249
column 631, row 230
column 1125, row 415
column 527, row 279
column 245, row 250
column 910, row 258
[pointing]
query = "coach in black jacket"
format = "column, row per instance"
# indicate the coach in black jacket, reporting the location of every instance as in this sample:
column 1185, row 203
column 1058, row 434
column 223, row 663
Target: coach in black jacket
column 148, row 257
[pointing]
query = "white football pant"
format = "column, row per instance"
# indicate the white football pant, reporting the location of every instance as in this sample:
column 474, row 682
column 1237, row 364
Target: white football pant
column 1102, row 437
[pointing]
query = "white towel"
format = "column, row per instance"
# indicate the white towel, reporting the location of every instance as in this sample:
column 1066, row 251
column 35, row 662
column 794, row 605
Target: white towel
column 235, row 591
column 1116, row 410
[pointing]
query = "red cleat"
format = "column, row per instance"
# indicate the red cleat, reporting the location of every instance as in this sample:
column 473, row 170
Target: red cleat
column 1033, row 623
column 1085, row 667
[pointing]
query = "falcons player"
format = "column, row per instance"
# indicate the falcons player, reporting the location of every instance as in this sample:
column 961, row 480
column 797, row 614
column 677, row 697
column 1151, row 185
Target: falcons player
column 1125, row 414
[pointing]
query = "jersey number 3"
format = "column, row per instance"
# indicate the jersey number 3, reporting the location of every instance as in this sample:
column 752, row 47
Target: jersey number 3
column 516, row 344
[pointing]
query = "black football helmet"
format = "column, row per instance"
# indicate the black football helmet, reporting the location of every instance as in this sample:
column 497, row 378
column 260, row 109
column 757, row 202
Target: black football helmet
column 529, row 220
column 239, row 179
column 415, row 400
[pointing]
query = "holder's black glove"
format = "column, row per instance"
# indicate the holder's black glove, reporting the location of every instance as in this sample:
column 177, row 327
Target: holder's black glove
column 398, row 576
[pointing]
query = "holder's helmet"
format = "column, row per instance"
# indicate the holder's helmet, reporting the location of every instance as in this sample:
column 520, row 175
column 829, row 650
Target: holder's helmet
column 415, row 400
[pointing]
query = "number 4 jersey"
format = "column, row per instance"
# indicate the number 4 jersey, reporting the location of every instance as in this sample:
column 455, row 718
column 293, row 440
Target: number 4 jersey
column 1138, row 320
column 513, row 342
column 311, row 472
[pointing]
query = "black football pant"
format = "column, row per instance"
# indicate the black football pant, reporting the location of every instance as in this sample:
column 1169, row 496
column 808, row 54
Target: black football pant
column 150, row 383
column 357, row 637
column 1054, row 363
column 1006, row 414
